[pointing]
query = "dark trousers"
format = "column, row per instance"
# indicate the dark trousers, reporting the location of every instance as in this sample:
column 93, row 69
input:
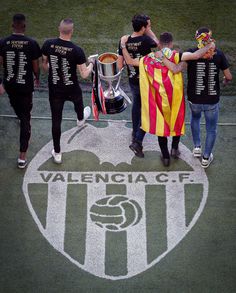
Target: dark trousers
column 22, row 105
column 138, row 133
column 57, row 105
column 164, row 147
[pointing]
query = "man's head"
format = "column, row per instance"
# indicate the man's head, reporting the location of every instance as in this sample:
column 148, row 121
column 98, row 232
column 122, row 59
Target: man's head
column 139, row 22
column 148, row 21
column 203, row 37
column 202, row 30
column 66, row 27
column 166, row 40
column 18, row 23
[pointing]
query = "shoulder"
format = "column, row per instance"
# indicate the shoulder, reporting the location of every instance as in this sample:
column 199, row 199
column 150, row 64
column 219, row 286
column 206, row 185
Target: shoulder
column 4, row 40
column 219, row 53
column 78, row 49
column 49, row 41
column 192, row 50
column 147, row 39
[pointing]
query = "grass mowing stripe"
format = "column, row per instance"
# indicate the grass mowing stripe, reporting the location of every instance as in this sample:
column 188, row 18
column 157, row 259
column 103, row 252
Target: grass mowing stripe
column 156, row 221
column 76, row 218
column 38, row 197
column 193, row 196
column 116, row 253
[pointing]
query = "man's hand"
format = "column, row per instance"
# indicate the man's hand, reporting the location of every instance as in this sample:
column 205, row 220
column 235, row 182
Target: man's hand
column 36, row 82
column 92, row 59
column 124, row 40
column 2, row 91
column 225, row 81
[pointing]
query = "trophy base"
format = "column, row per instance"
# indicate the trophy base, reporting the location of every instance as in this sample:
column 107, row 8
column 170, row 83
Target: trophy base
column 115, row 105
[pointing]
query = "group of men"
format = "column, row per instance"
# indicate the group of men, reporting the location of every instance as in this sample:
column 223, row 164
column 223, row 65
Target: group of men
column 157, row 86
column 20, row 56
column 155, row 81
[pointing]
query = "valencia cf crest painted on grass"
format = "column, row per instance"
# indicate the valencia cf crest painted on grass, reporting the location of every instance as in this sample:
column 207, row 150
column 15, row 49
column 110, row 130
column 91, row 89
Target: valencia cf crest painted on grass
column 110, row 213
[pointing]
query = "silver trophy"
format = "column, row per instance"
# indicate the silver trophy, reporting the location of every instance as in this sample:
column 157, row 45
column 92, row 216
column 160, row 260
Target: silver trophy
column 115, row 97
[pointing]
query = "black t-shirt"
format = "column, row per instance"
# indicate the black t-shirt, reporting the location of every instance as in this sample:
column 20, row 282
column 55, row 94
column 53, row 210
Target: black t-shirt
column 18, row 51
column 137, row 48
column 63, row 57
column 203, row 78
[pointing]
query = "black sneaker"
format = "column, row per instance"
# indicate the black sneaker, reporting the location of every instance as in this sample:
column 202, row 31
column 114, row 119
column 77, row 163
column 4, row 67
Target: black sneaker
column 175, row 153
column 21, row 163
column 165, row 161
column 137, row 148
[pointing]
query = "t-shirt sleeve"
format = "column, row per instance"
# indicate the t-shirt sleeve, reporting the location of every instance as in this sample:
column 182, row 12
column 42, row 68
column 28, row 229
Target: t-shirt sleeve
column 119, row 50
column 80, row 56
column 44, row 49
column 150, row 42
column 223, row 61
column 36, row 51
column 0, row 47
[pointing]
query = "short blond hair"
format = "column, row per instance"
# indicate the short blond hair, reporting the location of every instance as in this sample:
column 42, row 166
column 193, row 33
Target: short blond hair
column 66, row 26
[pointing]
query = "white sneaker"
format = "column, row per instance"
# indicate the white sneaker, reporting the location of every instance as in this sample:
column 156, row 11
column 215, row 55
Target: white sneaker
column 206, row 162
column 87, row 113
column 57, row 157
column 21, row 163
column 197, row 152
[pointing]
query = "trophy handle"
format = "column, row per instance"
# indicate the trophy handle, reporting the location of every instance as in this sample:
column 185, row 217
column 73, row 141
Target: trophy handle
column 125, row 96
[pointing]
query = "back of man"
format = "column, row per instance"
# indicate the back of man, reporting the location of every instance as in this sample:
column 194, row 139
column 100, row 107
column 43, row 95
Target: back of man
column 203, row 91
column 63, row 57
column 203, row 78
column 20, row 61
column 138, row 45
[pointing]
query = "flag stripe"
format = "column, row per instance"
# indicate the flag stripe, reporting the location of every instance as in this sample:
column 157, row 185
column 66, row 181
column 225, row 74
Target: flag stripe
column 163, row 107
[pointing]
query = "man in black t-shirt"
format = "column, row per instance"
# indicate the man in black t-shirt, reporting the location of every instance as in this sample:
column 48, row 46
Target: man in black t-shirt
column 20, row 56
column 63, row 58
column 139, row 44
column 203, row 92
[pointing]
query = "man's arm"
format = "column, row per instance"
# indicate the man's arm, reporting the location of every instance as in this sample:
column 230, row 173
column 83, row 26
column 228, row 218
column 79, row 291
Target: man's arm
column 128, row 59
column 120, row 62
column 1, row 88
column 85, row 70
column 175, row 68
column 36, row 70
column 197, row 54
column 227, row 76
column 45, row 63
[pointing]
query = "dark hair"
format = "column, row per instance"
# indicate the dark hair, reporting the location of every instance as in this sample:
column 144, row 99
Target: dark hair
column 18, row 21
column 18, row 18
column 166, row 38
column 202, row 30
column 139, row 21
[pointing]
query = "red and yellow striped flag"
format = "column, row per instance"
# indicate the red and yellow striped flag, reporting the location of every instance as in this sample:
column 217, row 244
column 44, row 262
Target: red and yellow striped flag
column 162, row 98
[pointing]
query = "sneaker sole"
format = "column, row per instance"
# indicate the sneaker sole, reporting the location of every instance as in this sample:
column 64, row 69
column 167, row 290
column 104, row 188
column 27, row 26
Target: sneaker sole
column 137, row 154
column 206, row 166
column 22, row 167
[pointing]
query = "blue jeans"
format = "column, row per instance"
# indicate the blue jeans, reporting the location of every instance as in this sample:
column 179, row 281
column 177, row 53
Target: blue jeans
column 211, row 114
column 136, row 112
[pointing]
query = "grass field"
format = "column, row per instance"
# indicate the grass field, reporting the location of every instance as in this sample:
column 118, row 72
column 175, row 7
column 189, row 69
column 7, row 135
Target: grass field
column 32, row 259
column 100, row 24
